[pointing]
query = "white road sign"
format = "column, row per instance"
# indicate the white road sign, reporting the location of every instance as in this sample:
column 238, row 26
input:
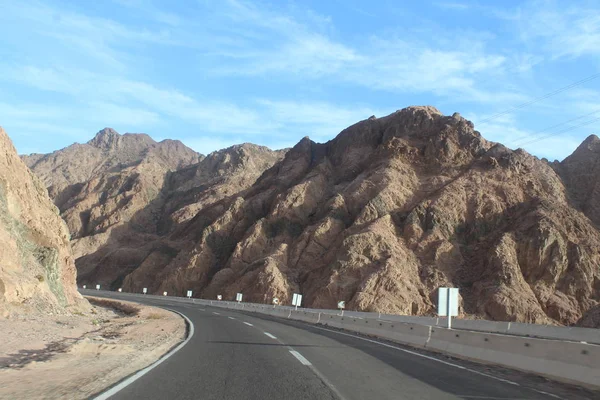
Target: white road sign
column 219, row 297
column 275, row 300
column 238, row 297
column 297, row 300
column 97, row 287
column 84, row 286
column 120, row 290
column 447, row 302
column 189, row 293
column 164, row 293
column 341, row 304
column 145, row 290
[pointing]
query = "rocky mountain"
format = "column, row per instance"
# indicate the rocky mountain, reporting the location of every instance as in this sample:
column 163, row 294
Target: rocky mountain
column 383, row 215
column 120, row 194
column 380, row 216
column 37, row 272
column 65, row 171
column 581, row 174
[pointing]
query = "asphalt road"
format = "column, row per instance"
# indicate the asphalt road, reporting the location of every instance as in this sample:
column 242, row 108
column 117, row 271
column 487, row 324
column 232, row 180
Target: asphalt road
column 238, row 355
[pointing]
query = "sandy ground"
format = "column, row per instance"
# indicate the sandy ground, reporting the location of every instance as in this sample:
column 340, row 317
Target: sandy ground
column 74, row 357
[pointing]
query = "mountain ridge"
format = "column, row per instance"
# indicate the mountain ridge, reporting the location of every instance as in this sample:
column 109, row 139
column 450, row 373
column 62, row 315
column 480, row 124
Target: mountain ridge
column 380, row 216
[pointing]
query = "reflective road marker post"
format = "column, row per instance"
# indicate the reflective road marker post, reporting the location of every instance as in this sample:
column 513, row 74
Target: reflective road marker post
column 448, row 303
column 341, row 306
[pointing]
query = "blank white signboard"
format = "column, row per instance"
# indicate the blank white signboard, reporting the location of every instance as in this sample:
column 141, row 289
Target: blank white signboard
column 189, row 293
column 297, row 300
column 446, row 295
column 145, row 290
column 238, row 297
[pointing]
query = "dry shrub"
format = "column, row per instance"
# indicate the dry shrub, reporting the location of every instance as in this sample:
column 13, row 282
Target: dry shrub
column 125, row 308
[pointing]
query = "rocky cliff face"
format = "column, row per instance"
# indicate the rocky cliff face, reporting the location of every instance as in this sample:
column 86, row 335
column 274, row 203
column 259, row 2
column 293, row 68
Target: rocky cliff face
column 581, row 173
column 37, row 272
column 66, row 171
column 132, row 191
column 382, row 216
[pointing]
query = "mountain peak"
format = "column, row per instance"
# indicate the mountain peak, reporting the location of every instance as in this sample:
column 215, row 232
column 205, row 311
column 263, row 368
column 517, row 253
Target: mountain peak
column 105, row 139
column 590, row 147
column 591, row 142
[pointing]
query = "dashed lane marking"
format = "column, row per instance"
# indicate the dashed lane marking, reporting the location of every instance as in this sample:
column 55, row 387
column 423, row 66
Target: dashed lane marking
column 300, row 357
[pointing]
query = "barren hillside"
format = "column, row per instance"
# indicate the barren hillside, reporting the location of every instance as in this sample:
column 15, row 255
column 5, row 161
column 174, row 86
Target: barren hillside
column 37, row 273
column 380, row 217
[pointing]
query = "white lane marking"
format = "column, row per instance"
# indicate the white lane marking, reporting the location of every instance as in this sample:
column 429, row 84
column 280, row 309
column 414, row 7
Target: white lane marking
column 115, row 389
column 484, row 397
column 269, row 335
column 230, row 317
column 421, row 355
column 300, row 357
column 548, row 394
column 216, row 313
column 248, row 323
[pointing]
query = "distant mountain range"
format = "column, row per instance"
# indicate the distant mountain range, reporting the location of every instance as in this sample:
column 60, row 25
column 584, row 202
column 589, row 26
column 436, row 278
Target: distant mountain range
column 380, row 216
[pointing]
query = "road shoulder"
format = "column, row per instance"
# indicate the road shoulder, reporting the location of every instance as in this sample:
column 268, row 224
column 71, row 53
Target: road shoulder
column 81, row 355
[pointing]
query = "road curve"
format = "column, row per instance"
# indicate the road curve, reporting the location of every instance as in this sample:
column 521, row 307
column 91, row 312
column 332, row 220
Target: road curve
column 239, row 355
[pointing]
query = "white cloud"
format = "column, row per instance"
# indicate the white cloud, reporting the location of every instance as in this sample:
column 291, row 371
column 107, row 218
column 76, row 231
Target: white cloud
column 557, row 29
column 319, row 120
column 111, row 114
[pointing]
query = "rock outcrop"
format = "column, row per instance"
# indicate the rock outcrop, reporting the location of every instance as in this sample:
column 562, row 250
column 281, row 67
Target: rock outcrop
column 37, row 272
column 581, row 173
column 383, row 215
column 121, row 194
column 380, row 217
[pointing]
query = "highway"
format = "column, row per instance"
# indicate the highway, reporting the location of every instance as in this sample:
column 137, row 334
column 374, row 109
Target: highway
column 239, row 355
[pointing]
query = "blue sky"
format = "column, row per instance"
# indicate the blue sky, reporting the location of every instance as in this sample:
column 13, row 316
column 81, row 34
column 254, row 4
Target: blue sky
column 216, row 73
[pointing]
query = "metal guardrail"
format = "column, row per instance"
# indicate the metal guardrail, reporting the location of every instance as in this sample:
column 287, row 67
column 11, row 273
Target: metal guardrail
column 573, row 334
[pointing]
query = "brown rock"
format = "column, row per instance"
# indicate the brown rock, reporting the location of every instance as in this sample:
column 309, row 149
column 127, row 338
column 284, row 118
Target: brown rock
column 380, row 217
column 387, row 212
column 37, row 273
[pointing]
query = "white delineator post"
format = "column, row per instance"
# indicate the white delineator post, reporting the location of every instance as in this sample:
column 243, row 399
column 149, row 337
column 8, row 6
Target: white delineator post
column 341, row 306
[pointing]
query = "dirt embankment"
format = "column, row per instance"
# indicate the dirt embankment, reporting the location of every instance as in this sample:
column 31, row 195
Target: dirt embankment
column 78, row 356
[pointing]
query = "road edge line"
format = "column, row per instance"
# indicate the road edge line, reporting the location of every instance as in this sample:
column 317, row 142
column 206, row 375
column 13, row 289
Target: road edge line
column 137, row 375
